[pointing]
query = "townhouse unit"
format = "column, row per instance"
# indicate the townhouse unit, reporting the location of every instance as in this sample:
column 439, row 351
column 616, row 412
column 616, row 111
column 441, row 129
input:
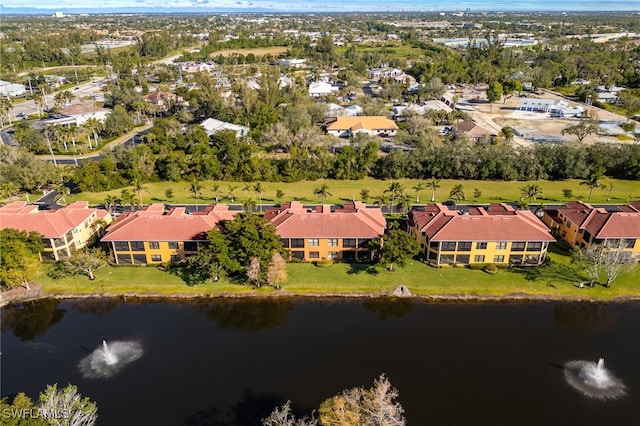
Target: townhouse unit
column 326, row 232
column 154, row 234
column 582, row 225
column 63, row 230
column 345, row 127
column 497, row 234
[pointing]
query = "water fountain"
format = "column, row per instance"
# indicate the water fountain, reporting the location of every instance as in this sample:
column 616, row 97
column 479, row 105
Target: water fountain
column 593, row 379
column 107, row 360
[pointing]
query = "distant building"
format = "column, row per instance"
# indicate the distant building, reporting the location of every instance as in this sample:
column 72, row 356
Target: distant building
column 80, row 113
column 12, row 90
column 64, row 230
column 320, row 89
column 293, row 63
column 194, row 67
column 497, row 234
column 155, row 235
column 325, row 232
column 212, row 126
column 344, row 127
column 162, row 99
column 473, row 132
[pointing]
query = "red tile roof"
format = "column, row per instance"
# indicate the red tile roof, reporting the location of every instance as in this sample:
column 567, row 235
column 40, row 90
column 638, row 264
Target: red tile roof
column 153, row 223
column 603, row 224
column 499, row 222
column 49, row 223
column 353, row 220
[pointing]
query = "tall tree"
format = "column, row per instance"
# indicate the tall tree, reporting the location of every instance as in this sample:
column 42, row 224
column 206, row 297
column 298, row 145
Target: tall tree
column 433, row 184
column 195, row 188
column 322, row 191
column 494, row 93
column 417, row 188
column 80, row 411
column 457, row 193
column 84, row 262
column 19, row 255
column 593, row 181
column 395, row 190
column 138, row 186
column 584, row 128
column 531, row 191
column 398, row 247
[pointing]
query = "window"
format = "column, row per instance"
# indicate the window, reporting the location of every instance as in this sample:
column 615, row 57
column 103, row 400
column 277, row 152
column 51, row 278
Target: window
column 297, row 243
column 534, row 246
column 462, row 259
column 124, row 259
column 137, row 246
column 433, row 245
column 297, row 255
column 478, row 258
column 156, row 258
column 46, row 243
column 154, row 245
column 446, row 259
column 518, row 246
column 190, row 246
column 121, row 245
column 481, row 246
column 498, row 259
column 333, row 242
column 173, row 245
column 515, row 259
column 332, row 255
column 501, row 246
column 349, row 243
column 314, row 242
column 464, row 246
column 139, row 259
column 449, row 246
column 314, row 255
column 285, row 242
column 175, row 258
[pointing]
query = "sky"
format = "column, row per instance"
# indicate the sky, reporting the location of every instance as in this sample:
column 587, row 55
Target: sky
column 324, row 5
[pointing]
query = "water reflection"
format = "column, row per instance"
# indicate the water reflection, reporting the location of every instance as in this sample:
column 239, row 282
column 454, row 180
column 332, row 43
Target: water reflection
column 31, row 319
column 250, row 314
column 388, row 308
column 585, row 317
column 97, row 306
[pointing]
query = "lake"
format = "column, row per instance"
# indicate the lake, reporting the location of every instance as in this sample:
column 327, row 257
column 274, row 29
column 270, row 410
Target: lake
column 230, row 362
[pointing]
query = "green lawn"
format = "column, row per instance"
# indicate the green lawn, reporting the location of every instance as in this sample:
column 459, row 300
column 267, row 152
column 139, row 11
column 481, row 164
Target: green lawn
column 345, row 190
column 557, row 280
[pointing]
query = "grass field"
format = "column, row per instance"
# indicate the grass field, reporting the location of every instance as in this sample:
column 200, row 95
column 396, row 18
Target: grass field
column 558, row 280
column 345, row 190
column 275, row 51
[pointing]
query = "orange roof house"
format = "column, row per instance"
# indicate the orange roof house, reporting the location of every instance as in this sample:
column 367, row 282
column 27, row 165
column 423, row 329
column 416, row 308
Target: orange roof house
column 154, row 235
column 373, row 125
column 496, row 234
column 326, row 232
column 580, row 224
column 64, row 230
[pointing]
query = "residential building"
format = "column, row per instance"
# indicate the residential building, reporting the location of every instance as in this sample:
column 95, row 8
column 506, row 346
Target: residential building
column 344, row 127
column 80, row 113
column 194, row 67
column 327, row 232
column 163, row 99
column 473, row 132
column 293, row 63
column 64, row 230
column 582, row 225
column 401, row 111
column 353, row 110
column 321, row 89
column 496, row 234
column 212, row 126
column 155, row 235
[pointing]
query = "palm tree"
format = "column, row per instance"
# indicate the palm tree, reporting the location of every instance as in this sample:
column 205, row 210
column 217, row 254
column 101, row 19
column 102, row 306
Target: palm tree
column 279, row 195
column 248, row 205
column 396, row 189
column 195, row 187
column 110, row 202
column 38, row 100
column 592, row 181
column 72, row 132
column 381, row 201
column 139, row 106
column 322, row 191
column 138, row 186
column 364, row 195
column 259, row 190
column 216, row 191
column 68, row 96
column 93, row 125
column 457, row 193
column 129, row 198
column 230, row 192
column 531, row 191
column 433, row 184
column 6, row 107
column 417, row 188
column 404, row 203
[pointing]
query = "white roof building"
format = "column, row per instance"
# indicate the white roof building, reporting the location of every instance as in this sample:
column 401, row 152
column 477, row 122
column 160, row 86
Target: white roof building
column 212, row 126
column 320, row 88
column 293, row 63
column 12, row 90
column 553, row 106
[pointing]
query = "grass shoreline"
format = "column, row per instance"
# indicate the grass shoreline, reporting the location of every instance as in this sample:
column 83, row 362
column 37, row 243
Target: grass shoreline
column 556, row 282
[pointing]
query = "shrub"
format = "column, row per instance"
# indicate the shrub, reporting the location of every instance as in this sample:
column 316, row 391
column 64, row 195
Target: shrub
column 324, row 263
column 491, row 269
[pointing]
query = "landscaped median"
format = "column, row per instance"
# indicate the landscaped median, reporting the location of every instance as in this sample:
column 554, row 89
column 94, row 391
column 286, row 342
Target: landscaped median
column 559, row 280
